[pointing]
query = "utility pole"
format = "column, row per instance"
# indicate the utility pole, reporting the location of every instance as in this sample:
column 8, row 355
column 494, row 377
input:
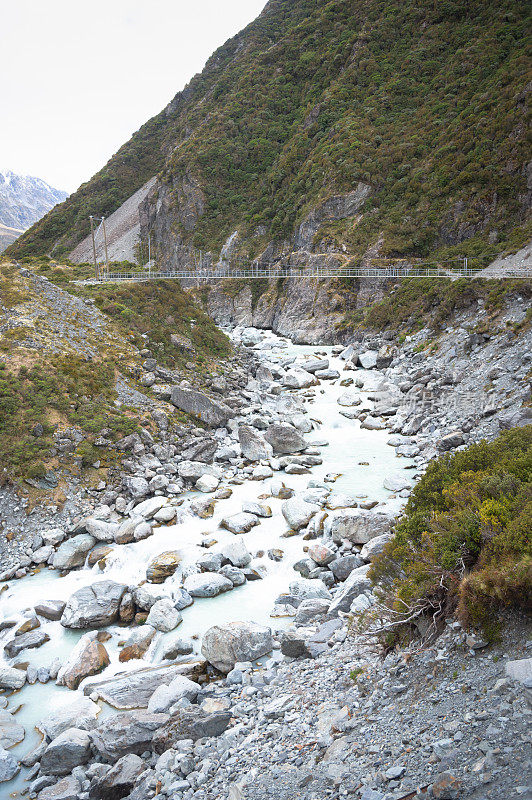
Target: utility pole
column 93, row 247
column 149, row 255
column 105, row 242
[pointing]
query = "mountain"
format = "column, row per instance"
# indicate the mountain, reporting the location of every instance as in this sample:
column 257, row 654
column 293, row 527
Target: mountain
column 23, row 201
column 359, row 129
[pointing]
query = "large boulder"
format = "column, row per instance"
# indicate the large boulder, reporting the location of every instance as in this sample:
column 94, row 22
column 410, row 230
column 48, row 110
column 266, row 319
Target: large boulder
column 133, row 689
column 94, row 606
column 68, row 750
column 368, row 360
column 297, row 378
column 50, row 609
column 224, row 645
column 166, row 695
column 298, row 513
column 26, row 642
column 67, row 788
column 164, row 616
column 9, row 765
column 355, row 584
column 240, row 523
column 79, row 713
column 253, row 445
column 207, row 584
column 127, row 732
column 101, row 530
column 211, row 412
column 313, row 364
column 306, row 589
column 357, row 525
column 285, row 439
column 89, row 657
column 194, row 470
column 375, row 546
column 11, row 733
column 119, row 780
column 73, row 552
column 190, row 723
column 237, row 553
column 162, row 566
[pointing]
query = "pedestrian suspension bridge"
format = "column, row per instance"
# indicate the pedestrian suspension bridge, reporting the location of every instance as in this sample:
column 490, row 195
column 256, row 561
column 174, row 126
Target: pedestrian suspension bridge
column 200, row 274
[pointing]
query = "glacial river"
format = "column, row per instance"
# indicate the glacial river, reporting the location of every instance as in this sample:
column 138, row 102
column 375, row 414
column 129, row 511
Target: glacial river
column 362, row 459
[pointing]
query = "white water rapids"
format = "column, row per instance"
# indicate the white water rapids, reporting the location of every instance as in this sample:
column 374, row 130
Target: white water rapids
column 348, row 445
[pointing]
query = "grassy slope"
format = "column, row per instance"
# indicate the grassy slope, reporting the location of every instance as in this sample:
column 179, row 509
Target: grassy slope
column 57, row 391
column 425, row 102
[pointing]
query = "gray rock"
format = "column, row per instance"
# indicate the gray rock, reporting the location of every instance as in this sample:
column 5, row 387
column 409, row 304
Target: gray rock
column 237, row 553
column 450, row 441
column 298, row 513
column 163, row 616
column 66, row 789
column 119, row 780
column 211, row 412
column 80, row 713
column 224, row 645
column 310, row 610
column 375, row 546
column 9, row 765
column 368, row 360
column 190, row 723
column 344, row 565
column 357, row 525
column 309, row 589
column 137, row 487
column 50, row 609
column 133, row 689
column 73, row 552
column 356, row 583
column 11, row 733
column 239, row 523
column 166, row 695
column 207, row 584
column 68, row 750
column 177, row 647
column 253, row 445
column 128, row 732
column 285, row 439
column 93, row 606
column 234, row 574
column 25, row 642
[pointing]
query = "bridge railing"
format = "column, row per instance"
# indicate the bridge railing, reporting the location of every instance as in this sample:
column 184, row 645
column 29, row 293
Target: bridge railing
column 275, row 271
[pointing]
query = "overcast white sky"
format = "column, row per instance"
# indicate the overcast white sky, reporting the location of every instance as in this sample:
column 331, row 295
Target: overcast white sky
column 77, row 78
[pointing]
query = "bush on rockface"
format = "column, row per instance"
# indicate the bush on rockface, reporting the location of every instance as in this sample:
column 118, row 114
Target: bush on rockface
column 464, row 542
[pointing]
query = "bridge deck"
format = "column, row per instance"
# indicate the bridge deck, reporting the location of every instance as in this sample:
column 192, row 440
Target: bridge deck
column 274, row 272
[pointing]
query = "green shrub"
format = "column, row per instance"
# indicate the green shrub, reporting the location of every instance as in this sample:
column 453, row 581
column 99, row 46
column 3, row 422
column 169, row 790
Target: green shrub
column 464, row 541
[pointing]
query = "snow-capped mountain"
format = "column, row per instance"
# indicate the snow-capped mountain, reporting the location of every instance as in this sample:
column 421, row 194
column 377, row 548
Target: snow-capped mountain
column 25, row 199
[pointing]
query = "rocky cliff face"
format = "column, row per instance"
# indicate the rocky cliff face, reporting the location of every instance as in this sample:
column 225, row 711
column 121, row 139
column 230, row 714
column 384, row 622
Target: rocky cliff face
column 308, row 311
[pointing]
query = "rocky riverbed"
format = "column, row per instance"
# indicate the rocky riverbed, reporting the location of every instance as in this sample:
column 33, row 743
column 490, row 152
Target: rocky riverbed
column 187, row 636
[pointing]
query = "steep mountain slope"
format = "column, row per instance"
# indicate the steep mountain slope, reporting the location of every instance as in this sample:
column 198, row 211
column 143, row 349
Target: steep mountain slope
column 25, row 199
column 384, row 128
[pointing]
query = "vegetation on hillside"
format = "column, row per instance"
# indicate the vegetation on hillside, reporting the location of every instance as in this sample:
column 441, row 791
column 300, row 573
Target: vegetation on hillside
column 425, row 102
column 464, row 540
column 418, row 302
column 69, row 390
column 43, row 393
